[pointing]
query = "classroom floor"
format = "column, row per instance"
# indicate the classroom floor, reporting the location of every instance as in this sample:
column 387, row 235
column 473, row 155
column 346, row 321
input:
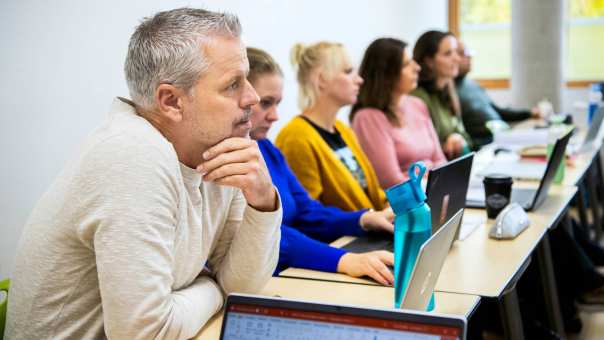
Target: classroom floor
column 593, row 327
column 593, row 322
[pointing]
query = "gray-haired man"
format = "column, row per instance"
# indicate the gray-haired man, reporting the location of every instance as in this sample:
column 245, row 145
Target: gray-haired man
column 116, row 248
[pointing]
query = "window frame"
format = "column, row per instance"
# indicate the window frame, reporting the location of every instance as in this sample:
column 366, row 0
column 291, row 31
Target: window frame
column 454, row 24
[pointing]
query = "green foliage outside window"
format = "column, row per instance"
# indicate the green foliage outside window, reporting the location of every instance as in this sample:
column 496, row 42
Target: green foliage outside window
column 485, row 28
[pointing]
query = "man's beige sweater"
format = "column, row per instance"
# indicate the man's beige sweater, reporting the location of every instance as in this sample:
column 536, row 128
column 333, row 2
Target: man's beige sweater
column 117, row 246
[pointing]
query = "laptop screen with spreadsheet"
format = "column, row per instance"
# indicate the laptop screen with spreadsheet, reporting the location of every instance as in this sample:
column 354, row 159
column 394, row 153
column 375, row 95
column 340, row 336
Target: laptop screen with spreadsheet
column 248, row 317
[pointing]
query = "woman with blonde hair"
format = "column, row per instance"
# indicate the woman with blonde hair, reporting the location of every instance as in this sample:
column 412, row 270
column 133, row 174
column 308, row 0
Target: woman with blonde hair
column 321, row 150
column 308, row 225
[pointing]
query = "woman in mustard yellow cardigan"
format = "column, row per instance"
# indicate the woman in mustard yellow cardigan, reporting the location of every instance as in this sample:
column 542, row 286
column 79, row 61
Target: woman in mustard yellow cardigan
column 322, row 151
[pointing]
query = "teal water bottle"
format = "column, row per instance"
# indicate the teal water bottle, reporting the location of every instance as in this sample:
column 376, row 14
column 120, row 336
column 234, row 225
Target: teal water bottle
column 412, row 227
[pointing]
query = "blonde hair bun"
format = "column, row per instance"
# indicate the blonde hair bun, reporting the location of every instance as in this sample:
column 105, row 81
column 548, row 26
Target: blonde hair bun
column 296, row 54
column 323, row 56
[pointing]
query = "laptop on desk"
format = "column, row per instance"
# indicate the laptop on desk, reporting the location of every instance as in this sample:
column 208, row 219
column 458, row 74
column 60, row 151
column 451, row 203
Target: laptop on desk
column 446, row 195
column 430, row 260
column 249, row 317
column 447, row 188
column 593, row 131
column 529, row 199
column 429, row 263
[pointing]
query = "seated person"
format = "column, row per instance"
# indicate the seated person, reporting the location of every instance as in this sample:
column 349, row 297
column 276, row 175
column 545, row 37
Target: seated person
column 393, row 128
column 322, row 151
column 306, row 222
column 477, row 108
column 116, row 247
column 436, row 53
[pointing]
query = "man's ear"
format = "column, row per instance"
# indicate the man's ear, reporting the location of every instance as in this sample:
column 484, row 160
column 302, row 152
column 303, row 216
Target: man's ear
column 170, row 102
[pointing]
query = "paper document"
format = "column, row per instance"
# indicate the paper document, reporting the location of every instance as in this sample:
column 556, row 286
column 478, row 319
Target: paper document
column 469, row 224
column 522, row 170
column 521, row 137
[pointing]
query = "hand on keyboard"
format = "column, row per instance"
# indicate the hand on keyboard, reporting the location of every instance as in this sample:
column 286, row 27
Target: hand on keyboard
column 373, row 264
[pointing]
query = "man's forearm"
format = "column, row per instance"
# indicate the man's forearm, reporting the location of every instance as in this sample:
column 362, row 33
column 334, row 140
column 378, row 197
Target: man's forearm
column 253, row 253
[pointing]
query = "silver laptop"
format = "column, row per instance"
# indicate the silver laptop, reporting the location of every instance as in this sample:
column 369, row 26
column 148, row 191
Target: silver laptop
column 446, row 193
column 429, row 262
column 528, row 198
column 594, row 130
column 249, row 317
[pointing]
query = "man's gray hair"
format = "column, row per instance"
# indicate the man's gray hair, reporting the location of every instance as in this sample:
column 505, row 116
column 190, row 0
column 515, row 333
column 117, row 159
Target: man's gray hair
column 167, row 48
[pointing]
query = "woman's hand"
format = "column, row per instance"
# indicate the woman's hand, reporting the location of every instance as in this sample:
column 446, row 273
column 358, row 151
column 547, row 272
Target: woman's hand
column 373, row 264
column 378, row 220
column 454, row 145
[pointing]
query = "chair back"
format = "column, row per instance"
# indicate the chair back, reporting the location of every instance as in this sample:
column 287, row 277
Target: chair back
column 3, row 304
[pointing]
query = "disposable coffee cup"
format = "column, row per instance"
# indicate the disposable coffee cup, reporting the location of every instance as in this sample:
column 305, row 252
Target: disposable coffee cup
column 497, row 192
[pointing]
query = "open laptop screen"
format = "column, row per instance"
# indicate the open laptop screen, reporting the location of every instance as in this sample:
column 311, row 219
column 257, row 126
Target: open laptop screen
column 447, row 189
column 321, row 322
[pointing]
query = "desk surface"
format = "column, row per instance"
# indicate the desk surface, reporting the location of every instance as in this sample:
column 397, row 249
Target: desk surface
column 581, row 160
column 477, row 265
column 484, row 266
column 347, row 294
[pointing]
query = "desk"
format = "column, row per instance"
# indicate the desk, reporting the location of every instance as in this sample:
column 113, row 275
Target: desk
column 585, row 173
column 489, row 268
column 484, row 266
column 477, row 265
column 347, row 294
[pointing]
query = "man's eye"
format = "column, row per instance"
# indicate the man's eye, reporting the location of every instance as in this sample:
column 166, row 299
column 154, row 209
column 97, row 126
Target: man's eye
column 266, row 103
column 234, row 86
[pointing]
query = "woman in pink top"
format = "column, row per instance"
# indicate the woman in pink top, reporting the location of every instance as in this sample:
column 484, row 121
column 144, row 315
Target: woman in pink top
column 394, row 129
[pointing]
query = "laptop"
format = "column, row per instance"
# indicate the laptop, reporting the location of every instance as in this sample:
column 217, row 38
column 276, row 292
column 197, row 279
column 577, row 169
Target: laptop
column 446, row 191
column 249, row 317
column 447, row 188
column 594, row 130
column 430, row 260
column 529, row 199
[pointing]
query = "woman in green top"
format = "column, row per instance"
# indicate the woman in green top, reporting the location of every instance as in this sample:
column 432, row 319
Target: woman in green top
column 436, row 53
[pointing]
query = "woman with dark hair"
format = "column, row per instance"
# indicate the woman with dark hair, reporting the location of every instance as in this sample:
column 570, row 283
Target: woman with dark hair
column 393, row 128
column 436, row 53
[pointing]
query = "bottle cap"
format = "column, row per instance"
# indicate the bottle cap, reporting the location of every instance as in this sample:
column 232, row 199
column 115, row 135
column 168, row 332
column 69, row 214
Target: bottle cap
column 408, row 195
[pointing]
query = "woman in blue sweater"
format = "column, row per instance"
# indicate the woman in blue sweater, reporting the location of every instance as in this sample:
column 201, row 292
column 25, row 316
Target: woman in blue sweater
column 307, row 224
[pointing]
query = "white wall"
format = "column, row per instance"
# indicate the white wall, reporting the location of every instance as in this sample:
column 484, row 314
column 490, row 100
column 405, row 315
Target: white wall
column 61, row 65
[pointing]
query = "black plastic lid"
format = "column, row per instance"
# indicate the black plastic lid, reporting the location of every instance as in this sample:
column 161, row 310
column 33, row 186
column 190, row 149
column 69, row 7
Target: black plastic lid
column 497, row 178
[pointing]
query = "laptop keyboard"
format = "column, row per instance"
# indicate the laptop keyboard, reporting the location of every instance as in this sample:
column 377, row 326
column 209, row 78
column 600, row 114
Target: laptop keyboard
column 371, row 242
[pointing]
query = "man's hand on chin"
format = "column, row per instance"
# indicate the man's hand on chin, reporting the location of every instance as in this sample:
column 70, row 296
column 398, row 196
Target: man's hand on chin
column 238, row 162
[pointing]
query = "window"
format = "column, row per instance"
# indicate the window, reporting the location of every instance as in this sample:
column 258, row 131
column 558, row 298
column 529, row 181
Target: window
column 484, row 25
column 585, row 39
